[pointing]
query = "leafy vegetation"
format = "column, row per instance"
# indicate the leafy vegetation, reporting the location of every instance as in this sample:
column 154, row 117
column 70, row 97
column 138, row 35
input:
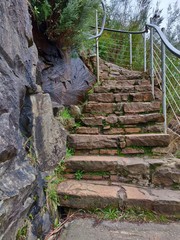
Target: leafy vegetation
column 64, row 21
column 69, row 152
column 51, row 190
column 108, row 213
column 65, row 114
column 130, row 214
column 79, row 174
column 67, row 119
column 22, row 233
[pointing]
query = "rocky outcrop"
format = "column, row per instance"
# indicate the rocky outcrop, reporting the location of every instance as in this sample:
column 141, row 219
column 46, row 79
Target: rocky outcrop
column 21, row 176
column 49, row 137
column 61, row 74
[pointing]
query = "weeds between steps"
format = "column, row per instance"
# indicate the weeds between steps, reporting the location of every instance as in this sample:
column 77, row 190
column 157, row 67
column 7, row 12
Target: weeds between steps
column 53, row 180
column 131, row 214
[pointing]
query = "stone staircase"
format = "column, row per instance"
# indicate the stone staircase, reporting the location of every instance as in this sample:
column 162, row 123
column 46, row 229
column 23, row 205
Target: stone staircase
column 120, row 116
column 121, row 123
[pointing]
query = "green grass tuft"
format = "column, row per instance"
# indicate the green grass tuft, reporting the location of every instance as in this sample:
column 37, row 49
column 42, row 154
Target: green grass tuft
column 79, row 175
column 65, row 114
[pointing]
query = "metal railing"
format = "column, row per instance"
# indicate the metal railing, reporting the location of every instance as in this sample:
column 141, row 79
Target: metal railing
column 154, row 52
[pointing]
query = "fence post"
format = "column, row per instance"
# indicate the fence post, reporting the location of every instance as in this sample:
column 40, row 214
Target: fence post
column 97, row 47
column 130, row 50
column 163, row 76
column 145, row 64
column 151, row 59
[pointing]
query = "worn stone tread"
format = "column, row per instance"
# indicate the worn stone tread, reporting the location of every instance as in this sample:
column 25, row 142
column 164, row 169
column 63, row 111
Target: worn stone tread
column 91, row 195
column 84, row 195
column 87, row 130
column 82, row 141
column 125, row 120
column 123, row 89
column 107, row 163
column 141, row 107
column 148, row 139
column 125, row 82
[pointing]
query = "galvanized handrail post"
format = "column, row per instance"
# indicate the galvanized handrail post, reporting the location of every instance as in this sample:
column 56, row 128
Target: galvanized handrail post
column 163, row 76
column 130, row 50
column 97, row 47
column 152, row 59
column 145, row 63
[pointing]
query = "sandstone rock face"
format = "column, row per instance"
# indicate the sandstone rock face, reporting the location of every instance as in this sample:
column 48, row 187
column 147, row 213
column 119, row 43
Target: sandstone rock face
column 49, row 137
column 20, row 180
column 8, row 145
column 17, row 188
column 18, row 59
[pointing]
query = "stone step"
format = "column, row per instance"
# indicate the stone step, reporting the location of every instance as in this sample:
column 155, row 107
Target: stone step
column 126, row 129
column 99, row 108
column 125, row 82
column 109, row 70
column 140, row 107
column 80, row 141
column 143, row 171
column 127, row 108
column 120, row 97
column 93, row 195
column 122, row 120
column 122, row 89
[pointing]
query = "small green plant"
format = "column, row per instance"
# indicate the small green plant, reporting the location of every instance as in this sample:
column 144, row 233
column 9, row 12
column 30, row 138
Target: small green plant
column 79, row 174
column 28, row 146
column 65, row 114
column 78, row 124
column 22, row 233
column 66, row 197
column 31, row 216
column 69, row 152
column 108, row 213
column 177, row 154
column 51, row 190
column 52, row 197
column 67, row 120
column 176, row 186
column 91, row 91
column 56, row 223
column 59, row 170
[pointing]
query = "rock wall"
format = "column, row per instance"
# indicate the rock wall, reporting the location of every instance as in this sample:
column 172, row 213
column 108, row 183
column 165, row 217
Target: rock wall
column 23, row 116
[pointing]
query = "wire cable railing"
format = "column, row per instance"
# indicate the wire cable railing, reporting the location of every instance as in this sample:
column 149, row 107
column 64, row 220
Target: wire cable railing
column 172, row 84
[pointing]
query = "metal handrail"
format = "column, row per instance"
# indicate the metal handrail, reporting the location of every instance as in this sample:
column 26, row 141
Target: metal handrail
column 124, row 31
column 170, row 47
column 103, row 23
